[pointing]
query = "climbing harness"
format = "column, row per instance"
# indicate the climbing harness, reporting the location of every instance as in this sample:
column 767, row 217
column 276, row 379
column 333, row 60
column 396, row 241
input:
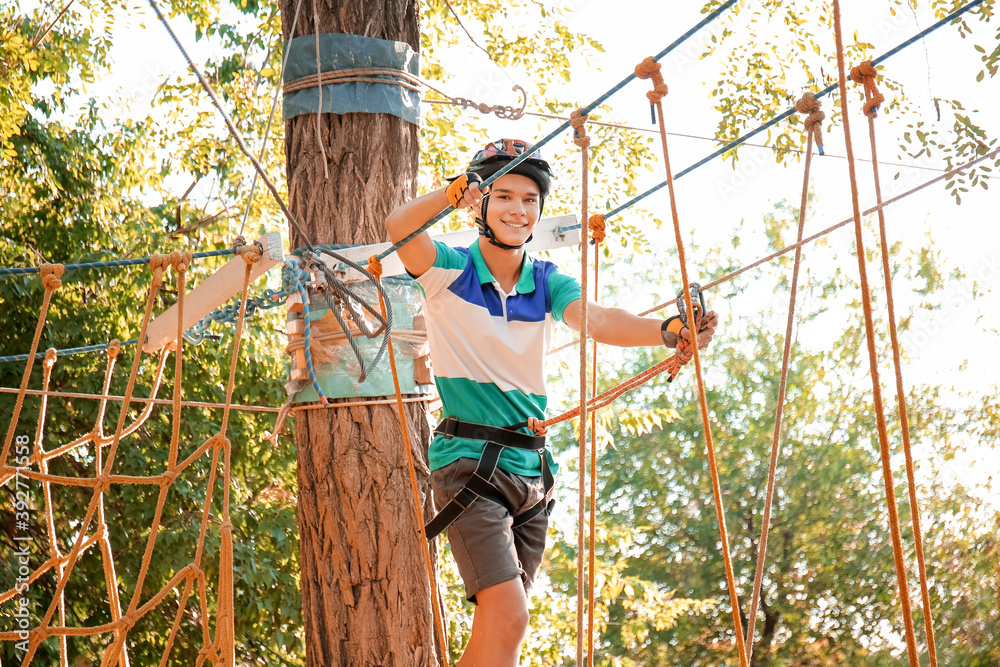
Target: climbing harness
column 480, row 483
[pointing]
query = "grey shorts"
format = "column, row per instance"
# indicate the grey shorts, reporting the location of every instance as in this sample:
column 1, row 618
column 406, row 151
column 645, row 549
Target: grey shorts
column 486, row 547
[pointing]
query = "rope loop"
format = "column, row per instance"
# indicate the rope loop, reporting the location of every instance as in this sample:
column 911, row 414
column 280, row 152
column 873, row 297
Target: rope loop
column 251, row 253
column 50, row 358
column 650, row 69
column 808, row 104
column 51, row 274
column 867, row 75
column 579, row 122
column 598, row 227
column 375, row 266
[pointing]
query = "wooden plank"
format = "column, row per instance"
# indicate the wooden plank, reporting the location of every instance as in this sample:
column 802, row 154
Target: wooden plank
column 212, row 293
column 549, row 233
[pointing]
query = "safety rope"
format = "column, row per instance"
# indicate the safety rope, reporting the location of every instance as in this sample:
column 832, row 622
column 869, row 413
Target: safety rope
column 578, row 120
column 110, row 263
column 233, row 132
column 883, row 436
column 375, row 268
column 270, row 117
column 651, row 70
column 709, row 18
column 595, row 226
column 790, row 112
column 807, row 104
column 866, row 75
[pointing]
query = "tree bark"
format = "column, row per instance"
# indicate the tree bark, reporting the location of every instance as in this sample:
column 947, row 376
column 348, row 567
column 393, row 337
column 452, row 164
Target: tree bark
column 366, row 599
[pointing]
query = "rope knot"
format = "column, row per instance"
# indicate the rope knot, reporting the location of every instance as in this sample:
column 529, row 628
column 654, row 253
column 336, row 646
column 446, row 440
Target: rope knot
column 50, row 358
column 102, row 484
column 808, row 104
column 250, row 253
column 219, row 440
column 597, row 227
column 128, row 621
column 375, row 266
column 180, row 261
column 579, row 122
column 51, row 274
column 157, row 264
column 209, row 653
column 167, row 478
column 867, row 75
column 114, row 347
column 650, row 69
column 239, row 242
column 102, row 531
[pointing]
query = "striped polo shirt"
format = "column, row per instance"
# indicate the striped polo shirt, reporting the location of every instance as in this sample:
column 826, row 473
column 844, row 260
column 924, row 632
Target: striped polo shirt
column 488, row 348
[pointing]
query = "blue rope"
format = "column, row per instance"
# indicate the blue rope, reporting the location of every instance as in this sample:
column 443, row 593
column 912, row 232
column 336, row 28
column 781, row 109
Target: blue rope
column 68, row 351
column 299, row 278
column 586, row 110
column 111, row 263
column 777, row 119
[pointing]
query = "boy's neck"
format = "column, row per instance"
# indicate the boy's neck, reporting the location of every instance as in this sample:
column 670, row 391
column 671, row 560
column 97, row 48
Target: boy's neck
column 505, row 265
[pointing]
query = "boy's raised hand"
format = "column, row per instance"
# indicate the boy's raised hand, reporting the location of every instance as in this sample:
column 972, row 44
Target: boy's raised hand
column 706, row 331
column 464, row 191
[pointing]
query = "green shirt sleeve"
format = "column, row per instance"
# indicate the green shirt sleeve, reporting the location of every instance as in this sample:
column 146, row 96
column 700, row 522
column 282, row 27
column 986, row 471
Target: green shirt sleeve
column 563, row 290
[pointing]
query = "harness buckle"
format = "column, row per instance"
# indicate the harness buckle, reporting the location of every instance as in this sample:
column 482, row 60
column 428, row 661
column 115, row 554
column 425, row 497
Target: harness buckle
column 447, row 428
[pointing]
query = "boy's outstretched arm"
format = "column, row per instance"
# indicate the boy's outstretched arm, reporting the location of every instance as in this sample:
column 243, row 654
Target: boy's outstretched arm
column 419, row 254
column 616, row 326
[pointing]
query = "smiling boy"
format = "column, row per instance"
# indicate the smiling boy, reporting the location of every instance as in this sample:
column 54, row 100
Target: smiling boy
column 490, row 310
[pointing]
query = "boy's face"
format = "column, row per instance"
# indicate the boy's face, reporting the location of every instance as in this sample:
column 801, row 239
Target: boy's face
column 513, row 209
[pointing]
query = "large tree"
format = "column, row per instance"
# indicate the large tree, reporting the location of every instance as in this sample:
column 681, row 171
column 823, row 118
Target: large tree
column 366, row 598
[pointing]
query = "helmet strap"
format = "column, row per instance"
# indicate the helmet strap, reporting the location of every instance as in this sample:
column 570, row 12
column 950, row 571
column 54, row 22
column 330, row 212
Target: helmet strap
column 484, row 229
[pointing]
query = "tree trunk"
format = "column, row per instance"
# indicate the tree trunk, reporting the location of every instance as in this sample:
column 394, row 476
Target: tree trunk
column 366, row 599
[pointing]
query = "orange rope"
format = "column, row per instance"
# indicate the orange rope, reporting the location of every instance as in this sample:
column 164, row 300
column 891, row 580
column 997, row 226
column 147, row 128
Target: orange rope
column 596, row 226
column 883, row 436
column 40, row 633
column 867, row 75
column 650, row 69
column 222, row 651
column 50, row 280
column 375, row 268
column 581, row 139
column 810, row 105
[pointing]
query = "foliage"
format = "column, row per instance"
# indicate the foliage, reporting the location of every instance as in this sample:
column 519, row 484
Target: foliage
column 787, row 53
column 829, row 592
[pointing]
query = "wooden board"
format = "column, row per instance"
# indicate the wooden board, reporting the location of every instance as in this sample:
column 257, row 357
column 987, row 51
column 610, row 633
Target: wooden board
column 549, row 233
column 212, row 293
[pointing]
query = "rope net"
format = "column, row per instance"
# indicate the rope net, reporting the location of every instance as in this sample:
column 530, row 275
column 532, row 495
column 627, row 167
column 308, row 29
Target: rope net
column 25, row 460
